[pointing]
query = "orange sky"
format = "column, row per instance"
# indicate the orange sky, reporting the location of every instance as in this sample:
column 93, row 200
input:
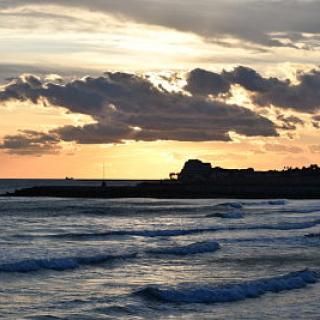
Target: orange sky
column 52, row 40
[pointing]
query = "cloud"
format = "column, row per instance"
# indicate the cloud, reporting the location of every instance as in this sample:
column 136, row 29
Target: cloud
column 316, row 121
column 314, row 148
column 30, row 142
column 282, row 148
column 129, row 107
column 290, row 122
column 23, row 88
column 9, row 71
column 282, row 23
column 301, row 97
column 202, row 82
column 316, row 125
column 251, row 80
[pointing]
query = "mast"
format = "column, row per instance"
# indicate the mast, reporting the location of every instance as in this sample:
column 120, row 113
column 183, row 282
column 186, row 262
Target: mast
column 103, row 184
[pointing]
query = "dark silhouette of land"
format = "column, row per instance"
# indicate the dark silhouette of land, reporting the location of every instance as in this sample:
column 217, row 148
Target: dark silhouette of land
column 201, row 180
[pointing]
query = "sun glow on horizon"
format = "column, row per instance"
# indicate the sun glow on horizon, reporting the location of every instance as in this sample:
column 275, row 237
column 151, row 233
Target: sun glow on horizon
column 149, row 117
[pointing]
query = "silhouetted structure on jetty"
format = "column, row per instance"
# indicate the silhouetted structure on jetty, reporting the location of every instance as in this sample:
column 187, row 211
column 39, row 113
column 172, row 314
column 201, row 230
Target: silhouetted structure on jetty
column 201, row 180
column 198, row 172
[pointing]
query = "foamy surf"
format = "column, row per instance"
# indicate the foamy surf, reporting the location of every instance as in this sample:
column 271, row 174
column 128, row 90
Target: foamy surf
column 137, row 233
column 34, row 229
column 182, row 232
column 231, row 292
column 241, row 204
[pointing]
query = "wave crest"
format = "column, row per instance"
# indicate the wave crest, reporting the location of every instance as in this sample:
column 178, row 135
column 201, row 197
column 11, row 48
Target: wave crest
column 183, row 232
column 232, row 292
column 194, row 248
column 240, row 204
column 232, row 205
column 313, row 235
column 227, row 215
column 58, row 264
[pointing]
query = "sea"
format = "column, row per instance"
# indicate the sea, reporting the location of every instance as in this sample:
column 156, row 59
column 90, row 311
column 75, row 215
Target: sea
column 157, row 259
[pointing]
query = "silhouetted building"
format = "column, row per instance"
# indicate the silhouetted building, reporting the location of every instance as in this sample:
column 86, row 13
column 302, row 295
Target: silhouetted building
column 196, row 171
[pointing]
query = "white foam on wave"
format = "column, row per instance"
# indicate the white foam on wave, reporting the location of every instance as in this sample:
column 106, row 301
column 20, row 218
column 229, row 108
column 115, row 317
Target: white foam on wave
column 183, row 232
column 241, row 204
column 58, row 264
column 138, row 233
column 194, row 248
column 231, row 292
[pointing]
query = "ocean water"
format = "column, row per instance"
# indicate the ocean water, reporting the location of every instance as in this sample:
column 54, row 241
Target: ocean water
column 159, row 259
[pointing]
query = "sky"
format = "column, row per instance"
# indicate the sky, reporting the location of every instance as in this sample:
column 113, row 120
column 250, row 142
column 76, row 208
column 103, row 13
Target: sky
column 143, row 85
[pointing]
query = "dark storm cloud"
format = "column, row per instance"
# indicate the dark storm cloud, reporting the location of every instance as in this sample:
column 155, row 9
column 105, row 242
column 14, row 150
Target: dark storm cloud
column 290, row 122
column 263, row 22
column 31, row 143
column 204, row 82
column 251, row 80
column 302, row 97
column 129, row 107
column 22, row 88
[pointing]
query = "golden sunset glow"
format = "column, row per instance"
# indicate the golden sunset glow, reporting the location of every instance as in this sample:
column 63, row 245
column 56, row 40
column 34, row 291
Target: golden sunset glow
column 253, row 94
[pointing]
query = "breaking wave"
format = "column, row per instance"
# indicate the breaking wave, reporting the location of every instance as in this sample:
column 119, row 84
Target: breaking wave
column 59, row 264
column 194, row 248
column 240, row 204
column 306, row 210
column 227, row 215
column 183, row 232
column 231, row 292
column 234, row 205
column 138, row 233
column 313, row 235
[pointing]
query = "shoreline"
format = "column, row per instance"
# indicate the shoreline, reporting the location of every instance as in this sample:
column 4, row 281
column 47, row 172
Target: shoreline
column 174, row 191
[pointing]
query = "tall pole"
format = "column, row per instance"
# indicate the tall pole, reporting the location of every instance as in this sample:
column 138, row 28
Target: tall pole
column 103, row 176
